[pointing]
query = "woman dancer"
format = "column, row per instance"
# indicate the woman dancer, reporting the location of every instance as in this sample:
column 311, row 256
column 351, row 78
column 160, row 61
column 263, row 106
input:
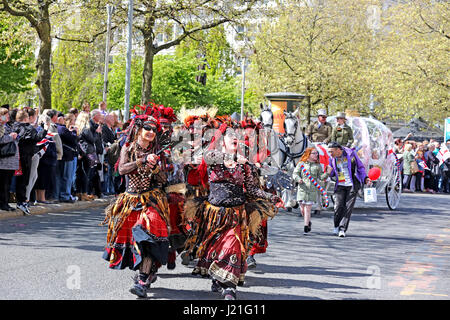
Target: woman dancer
column 225, row 223
column 257, row 153
column 138, row 222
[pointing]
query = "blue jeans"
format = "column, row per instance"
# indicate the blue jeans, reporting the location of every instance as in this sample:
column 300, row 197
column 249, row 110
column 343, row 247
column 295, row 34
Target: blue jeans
column 74, row 173
column 66, row 180
column 55, row 190
column 108, row 183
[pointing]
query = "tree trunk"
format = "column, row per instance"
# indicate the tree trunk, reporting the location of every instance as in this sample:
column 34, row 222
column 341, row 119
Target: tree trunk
column 147, row 74
column 43, row 63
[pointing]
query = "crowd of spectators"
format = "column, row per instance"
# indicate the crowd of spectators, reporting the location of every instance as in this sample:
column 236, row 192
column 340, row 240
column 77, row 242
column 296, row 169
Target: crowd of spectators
column 422, row 171
column 54, row 157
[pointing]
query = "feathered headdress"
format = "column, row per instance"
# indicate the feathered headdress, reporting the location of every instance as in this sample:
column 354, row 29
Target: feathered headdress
column 250, row 123
column 167, row 116
column 143, row 115
column 189, row 116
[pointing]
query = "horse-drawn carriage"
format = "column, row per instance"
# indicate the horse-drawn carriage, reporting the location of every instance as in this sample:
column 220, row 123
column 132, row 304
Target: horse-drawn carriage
column 374, row 144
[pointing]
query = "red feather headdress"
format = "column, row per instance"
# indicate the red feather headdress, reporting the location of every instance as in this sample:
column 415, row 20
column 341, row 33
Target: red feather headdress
column 167, row 115
column 140, row 116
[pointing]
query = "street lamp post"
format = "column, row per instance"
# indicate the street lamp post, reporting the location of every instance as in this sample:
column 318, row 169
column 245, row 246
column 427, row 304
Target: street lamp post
column 128, row 66
column 109, row 10
column 373, row 22
column 243, row 62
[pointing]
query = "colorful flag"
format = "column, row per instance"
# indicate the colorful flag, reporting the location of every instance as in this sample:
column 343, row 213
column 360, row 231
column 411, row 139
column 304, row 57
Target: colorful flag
column 324, row 158
column 443, row 154
column 423, row 165
column 46, row 139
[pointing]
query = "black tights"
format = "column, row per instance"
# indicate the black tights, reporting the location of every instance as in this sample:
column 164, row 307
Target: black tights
column 146, row 268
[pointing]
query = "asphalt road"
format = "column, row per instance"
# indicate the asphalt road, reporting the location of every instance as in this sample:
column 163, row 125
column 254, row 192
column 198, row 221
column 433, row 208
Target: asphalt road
column 388, row 255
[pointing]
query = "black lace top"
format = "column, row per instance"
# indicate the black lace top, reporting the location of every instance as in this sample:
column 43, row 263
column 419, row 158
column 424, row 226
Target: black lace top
column 140, row 178
column 230, row 186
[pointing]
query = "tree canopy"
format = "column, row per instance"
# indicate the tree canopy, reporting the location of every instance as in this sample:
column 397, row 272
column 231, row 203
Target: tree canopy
column 16, row 58
column 343, row 54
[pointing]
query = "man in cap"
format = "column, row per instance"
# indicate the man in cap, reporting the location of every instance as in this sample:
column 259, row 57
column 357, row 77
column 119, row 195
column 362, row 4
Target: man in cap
column 320, row 130
column 342, row 133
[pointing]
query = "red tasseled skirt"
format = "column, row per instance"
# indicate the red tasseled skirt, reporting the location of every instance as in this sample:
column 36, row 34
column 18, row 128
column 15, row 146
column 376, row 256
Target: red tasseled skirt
column 261, row 243
column 223, row 244
column 223, row 259
column 132, row 233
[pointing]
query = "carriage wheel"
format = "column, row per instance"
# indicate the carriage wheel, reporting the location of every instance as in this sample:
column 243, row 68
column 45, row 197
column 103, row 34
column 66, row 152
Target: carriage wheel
column 394, row 190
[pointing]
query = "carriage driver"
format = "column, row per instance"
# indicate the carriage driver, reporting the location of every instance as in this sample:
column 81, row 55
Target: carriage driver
column 320, row 130
column 342, row 133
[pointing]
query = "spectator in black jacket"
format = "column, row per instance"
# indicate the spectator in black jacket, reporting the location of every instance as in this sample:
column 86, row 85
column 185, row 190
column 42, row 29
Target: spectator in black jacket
column 8, row 164
column 69, row 140
column 53, row 192
column 28, row 137
column 33, row 116
column 91, row 145
column 47, row 161
column 431, row 175
column 109, row 137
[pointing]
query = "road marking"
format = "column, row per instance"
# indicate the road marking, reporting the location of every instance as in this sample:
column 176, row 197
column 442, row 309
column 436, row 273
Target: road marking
column 408, row 290
column 420, row 268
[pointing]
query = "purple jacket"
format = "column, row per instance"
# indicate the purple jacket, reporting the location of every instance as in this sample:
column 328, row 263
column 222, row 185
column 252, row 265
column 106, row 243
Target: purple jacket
column 359, row 171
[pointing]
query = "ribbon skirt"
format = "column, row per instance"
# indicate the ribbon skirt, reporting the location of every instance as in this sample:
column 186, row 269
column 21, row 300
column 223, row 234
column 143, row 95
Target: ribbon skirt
column 138, row 225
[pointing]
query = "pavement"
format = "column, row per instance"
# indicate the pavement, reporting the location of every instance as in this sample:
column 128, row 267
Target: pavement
column 57, row 207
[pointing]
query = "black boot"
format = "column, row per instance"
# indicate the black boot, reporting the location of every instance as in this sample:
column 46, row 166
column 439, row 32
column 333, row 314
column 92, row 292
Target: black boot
column 305, row 230
column 215, row 286
column 229, row 294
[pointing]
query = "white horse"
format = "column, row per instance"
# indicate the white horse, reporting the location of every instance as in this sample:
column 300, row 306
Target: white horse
column 295, row 143
column 285, row 151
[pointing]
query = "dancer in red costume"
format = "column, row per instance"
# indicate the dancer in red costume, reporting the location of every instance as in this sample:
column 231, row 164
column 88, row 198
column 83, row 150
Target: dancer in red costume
column 257, row 152
column 138, row 221
column 224, row 220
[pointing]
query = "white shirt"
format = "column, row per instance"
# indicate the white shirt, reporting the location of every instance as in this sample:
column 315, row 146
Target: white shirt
column 343, row 173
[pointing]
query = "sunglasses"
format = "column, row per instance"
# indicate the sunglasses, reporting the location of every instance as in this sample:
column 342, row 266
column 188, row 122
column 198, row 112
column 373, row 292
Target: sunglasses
column 149, row 128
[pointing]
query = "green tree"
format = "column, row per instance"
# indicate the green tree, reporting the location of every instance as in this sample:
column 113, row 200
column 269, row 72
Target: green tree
column 16, row 57
column 176, row 21
column 38, row 15
column 76, row 75
column 83, row 18
column 316, row 49
column 213, row 48
column 412, row 77
column 174, row 85
column 116, row 87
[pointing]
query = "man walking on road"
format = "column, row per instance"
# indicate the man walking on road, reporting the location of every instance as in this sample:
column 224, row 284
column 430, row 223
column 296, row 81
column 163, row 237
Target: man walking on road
column 350, row 177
